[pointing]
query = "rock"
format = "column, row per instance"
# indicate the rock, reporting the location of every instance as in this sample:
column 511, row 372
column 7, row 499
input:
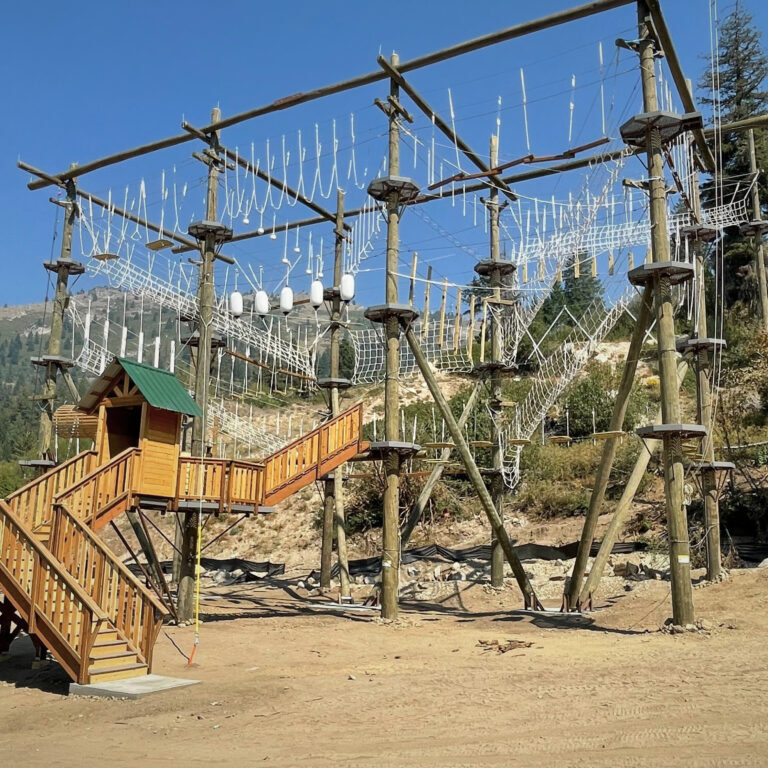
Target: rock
column 764, row 564
column 370, row 580
column 351, row 677
column 690, row 627
column 310, row 581
column 653, row 573
column 437, row 573
column 704, row 625
column 300, row 585
column 411, row 571
column 456, row 567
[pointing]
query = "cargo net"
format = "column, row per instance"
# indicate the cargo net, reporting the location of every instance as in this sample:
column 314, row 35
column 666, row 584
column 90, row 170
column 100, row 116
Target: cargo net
column 445, row 347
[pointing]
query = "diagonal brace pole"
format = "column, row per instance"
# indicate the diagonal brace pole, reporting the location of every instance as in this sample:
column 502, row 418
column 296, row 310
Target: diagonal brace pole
column 531, row 601
column 609, row 449
column 417, row 510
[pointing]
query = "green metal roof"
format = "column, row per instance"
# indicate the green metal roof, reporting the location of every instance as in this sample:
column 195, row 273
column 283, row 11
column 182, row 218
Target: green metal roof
column 160, row 388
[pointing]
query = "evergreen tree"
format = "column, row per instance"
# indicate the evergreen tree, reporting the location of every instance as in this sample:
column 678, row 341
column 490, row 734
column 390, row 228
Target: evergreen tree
column 580, row 292
column 742, row 67
column 735, row 81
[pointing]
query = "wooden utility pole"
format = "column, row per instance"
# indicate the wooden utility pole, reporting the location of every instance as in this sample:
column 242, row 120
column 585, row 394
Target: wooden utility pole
column 757, row 215
column 53, row 362
column 333, row 513
column 497, row 482
column 674, row 472
column 206, row 299
column 390, row 561
column 700, row 347
column 609, row 450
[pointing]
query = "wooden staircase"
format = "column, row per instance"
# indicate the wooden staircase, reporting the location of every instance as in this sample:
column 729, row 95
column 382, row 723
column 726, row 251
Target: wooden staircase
column 232, row 485
column 77, row 598
column 65, row 586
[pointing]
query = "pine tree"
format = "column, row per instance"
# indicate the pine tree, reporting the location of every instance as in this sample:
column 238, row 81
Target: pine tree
column 738, row 74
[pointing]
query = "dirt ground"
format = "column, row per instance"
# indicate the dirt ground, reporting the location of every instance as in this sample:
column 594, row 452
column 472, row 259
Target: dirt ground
column 288, row 681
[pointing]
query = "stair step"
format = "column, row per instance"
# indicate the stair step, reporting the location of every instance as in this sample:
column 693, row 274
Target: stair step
column 109, row 660
column 106, row 674
column 100, row 643
column 110, row 650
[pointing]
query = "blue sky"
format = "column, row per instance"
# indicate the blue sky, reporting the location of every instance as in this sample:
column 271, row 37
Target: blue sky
column 86, row 79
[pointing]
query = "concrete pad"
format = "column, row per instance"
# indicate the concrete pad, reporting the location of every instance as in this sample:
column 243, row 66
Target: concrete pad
column 131, row 687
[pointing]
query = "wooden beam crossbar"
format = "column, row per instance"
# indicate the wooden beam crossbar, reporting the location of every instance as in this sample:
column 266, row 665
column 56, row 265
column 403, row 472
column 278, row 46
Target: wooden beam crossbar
column 395, row 74
column 494, row 38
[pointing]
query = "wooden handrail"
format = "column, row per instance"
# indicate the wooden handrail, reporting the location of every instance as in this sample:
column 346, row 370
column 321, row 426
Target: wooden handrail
column 55, row 605
column 48, row 475
column 54, row 564
column 113, row 558
column 32, row 501
column 96, row 472
column 85, row 499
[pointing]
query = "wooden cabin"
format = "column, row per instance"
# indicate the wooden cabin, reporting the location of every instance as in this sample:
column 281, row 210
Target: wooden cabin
column 138, row 406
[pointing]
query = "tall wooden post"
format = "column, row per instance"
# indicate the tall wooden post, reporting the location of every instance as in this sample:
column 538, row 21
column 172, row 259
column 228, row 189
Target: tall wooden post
column 497, row 482
column 206, row 298
column 63, row 268
column 704, row 396
column 390, row 561
column 674, row 473
column 609, row 450
column 757, row 216
column 333, row 516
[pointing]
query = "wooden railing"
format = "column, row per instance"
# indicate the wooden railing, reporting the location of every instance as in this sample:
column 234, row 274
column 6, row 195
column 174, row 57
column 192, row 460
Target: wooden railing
column 202, row 480
column 313, row 455
column 130, row 606
column 226, row 482
column 246, row 483
column 51, row 602
column 32, row 502
column 342, row 435
column 106, row 492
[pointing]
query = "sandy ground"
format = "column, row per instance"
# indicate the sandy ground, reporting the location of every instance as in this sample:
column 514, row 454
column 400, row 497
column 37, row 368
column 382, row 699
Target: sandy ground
column 289, row 682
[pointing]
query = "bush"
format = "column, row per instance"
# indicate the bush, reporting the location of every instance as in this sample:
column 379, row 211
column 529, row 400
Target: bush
column 595, row 392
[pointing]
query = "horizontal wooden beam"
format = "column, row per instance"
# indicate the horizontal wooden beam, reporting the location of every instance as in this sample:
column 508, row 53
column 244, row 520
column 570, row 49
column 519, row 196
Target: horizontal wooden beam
column 124, row 401
column 395, row 74
column 112, row 207
column 263, row 175
column 103, row 162
column 494, row 38
column 738, row 126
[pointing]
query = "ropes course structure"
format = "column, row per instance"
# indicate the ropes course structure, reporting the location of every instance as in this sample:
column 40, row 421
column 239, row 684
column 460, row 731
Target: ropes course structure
column 458, row 209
